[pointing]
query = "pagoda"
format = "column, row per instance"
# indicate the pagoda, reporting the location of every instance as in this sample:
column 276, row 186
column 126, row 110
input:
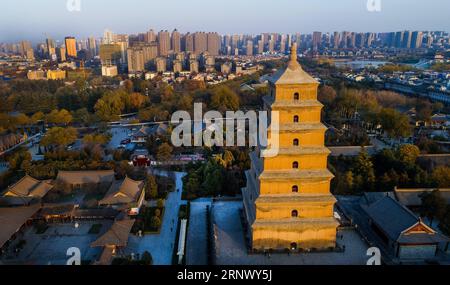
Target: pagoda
column 287, row 199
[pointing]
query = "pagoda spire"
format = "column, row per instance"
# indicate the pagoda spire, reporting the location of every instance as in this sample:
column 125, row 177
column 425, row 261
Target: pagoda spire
column 293, row 63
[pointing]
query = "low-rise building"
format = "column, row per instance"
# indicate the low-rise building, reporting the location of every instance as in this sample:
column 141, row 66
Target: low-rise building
column 404, row 235
column 56, row 74
column 29, row 187
column 125, row 195
column 36, row 75
column 109, row 71
column 78, row 179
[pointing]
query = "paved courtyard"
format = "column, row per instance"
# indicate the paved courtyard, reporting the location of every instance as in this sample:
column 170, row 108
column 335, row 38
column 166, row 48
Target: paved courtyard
column 196, row 243
column 231, row 249
column 118, row 134
column 161, row 245
column 50, row 248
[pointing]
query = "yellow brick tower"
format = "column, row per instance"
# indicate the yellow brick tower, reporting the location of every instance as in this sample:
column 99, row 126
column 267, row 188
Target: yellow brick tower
column 287, row 200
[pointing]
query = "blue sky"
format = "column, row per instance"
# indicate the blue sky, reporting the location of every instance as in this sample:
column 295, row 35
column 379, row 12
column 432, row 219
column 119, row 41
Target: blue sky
column 33, row 19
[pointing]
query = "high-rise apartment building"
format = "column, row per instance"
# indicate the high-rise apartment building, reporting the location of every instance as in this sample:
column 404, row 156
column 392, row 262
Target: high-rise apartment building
column 188, row 42
column 61, row 54
column 163, row 43
column 92, row 46
column 136, row 61
column 200, row 42
column 108, row 37
column 177, row 66
column 193, row 66
column 249, row 48
column 336, row 40
column 316, row 40
column 176, row 41
column 416, row 40
column 161, row 64
column 213, row 43
column 407, row 37
column 150, row 36
column 71, row 47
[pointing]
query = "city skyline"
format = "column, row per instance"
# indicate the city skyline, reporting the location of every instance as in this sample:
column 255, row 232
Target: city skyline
column 56, row 21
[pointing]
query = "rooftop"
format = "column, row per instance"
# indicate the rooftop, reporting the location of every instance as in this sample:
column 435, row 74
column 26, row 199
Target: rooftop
column 293, row 74
column 123, row 192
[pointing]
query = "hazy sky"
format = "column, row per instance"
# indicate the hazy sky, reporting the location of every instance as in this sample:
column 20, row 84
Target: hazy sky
column 33, row 19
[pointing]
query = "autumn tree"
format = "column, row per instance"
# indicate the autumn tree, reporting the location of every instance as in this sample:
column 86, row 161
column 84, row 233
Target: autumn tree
column 327, row 95
column 151, row 187
column 61, row 117
column 395, row 124
column 111, row 105
column 408, row 153
column 363, row 171
column 58, row 136
column 223, row 98
column 441, row 176
column 164, row 152
column 136, row 101
column 97, row 139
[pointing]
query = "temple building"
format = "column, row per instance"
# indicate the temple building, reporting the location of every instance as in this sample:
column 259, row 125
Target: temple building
column 287, row 200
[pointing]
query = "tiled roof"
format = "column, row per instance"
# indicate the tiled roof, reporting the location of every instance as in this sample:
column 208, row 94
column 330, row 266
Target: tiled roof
column 117, row 235
column 295, row 198
column 395, row 220
column 86, row 177
column 297, row 223
column 123, row 192
column 28, row 186
column 296, row 174
column 293, row 74
column 12, row 219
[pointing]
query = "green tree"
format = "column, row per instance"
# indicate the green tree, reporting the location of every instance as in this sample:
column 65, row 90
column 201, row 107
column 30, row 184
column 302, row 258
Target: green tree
column 155, row 222
column 164, row 152
column 223, row 98
column 395, row 124
column 444, row 224
column 364, row 173
column 424, row 110
column 433, row 205
column 111, row 105
column 441, row 176
column 160, row 203
column 58, row 136
column 408, row 153
column 101, row 139
column 39, row 116
column 151, row 187
column 146, row 258
column 19, row 158
column 59, row 117
column 82, row 116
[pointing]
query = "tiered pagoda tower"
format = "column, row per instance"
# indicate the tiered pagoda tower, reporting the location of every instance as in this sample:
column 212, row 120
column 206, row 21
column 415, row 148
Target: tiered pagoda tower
column 287, row 200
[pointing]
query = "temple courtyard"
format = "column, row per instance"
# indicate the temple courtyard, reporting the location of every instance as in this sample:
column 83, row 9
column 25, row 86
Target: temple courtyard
column 230, row 247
